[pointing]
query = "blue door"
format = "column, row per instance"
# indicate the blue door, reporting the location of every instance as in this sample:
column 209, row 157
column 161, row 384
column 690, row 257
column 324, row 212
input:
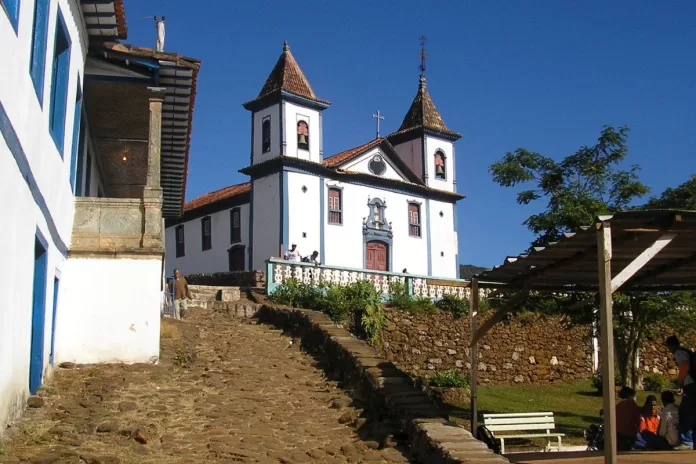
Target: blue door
column 38, row 317
column 56, row 284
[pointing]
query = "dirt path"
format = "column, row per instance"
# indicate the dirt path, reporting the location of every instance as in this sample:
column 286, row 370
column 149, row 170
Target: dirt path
column 225, row 391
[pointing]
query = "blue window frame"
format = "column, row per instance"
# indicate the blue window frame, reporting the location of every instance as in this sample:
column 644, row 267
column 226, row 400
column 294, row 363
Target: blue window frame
column 79, row 178
column 59, row 87
column 11, row 7
column 77, row 134
column 37, row 65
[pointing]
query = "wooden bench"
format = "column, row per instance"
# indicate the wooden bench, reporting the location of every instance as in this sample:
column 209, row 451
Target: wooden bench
column 523, row 423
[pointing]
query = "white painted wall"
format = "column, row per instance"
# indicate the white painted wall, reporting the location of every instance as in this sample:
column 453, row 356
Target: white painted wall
column 266, row 206
column 344, row 244
column 29, row 120
column 195, row 259
column 292, row 114
column 304, row 212
column 432, row 144
column 273, row 112
column 443, row 241
column 109, row 311
column 362, row 163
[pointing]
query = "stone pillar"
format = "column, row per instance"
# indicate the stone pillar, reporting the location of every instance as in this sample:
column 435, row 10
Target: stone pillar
column 152, row 193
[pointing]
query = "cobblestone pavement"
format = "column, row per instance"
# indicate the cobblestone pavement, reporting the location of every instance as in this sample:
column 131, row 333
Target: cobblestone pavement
column 224, row 391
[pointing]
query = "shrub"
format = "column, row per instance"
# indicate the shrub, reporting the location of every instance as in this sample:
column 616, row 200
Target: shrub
column 451, row 378
column 400, row 299
column 298, row 294
column 654, row 383
column 337, row 305
column 373, row 320
column 453, row 304
column 597, row 381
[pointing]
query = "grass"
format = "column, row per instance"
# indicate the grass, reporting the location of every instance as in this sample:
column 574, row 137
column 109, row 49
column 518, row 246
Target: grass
column 575, row 406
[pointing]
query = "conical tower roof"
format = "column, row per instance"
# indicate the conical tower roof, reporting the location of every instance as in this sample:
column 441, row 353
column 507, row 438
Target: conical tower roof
column 287, row 76
column 424, row 115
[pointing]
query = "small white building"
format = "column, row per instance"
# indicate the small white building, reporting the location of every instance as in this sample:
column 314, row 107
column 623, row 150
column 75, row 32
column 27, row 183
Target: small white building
column 86, row 126
column 388, row 204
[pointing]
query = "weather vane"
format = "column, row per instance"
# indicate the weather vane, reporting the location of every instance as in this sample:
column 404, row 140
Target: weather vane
column 422, row 40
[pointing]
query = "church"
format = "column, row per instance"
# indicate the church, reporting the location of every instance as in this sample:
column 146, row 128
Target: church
column 388, row 204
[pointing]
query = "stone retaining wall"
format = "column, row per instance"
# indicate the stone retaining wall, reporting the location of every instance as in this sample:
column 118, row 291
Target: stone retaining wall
column 387, row 390
column 251, row 279
column 521, row 349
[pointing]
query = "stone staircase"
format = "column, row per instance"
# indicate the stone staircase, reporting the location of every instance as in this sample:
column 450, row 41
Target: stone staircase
column 231, row 300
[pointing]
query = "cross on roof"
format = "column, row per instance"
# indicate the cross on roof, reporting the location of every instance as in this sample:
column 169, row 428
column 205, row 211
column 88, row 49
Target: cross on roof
column 377, row 116
column 423, row 54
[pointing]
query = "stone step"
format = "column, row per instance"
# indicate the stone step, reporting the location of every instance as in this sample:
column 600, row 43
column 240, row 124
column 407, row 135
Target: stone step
column 209, row 293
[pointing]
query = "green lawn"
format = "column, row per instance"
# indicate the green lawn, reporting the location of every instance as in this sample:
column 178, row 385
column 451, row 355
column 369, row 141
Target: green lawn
column 575, row 406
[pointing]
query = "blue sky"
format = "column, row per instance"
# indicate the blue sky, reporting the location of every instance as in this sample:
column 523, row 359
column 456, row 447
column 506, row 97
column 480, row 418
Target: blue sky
column 543, row 75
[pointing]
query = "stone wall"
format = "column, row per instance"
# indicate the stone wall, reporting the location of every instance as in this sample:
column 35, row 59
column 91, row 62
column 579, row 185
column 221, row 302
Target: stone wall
column 532, row 349
column 521, row 349
column 252, row 279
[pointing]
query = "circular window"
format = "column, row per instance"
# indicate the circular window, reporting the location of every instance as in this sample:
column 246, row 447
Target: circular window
column 377, row 166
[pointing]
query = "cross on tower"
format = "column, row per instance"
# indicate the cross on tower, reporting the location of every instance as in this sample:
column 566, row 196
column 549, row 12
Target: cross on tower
column 377, row 116
column 423, row 54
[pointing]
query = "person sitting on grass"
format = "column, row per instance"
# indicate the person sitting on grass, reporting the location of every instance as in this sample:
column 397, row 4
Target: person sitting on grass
column 649, row 426
column 627, row 419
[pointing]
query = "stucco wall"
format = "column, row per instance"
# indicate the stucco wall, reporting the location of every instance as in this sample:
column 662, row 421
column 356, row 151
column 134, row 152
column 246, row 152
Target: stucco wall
column 292, row 114
column 273, row 112
column 443, row 243
column 412, row 154
column 266, row 227
column 362, row 165
column 36, row 189
column 304, row 212
column 110, row 311
column 432, row 144
column 216, row 259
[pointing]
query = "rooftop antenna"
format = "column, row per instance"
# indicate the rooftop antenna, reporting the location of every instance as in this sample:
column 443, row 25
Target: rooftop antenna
column 159, row 24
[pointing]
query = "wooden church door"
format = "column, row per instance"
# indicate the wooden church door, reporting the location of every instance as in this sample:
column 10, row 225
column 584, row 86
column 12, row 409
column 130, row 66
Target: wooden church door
column 236, row 258
column 377, row 255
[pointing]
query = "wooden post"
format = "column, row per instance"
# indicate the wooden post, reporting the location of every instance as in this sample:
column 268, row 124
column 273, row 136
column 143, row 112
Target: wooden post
column 607, row 340
column 473, row 313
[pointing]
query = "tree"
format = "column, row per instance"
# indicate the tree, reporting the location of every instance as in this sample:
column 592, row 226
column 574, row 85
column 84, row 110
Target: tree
column 577, row 189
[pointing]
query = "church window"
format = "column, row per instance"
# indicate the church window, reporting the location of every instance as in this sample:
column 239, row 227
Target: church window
column 266, row 135
column 302, row 135
column 377, row 166
column 235, row 225
column 414, row 224
column 180, row 247
column 335, row 206
column 440, row 168
column 207, row 237
column 59, row 84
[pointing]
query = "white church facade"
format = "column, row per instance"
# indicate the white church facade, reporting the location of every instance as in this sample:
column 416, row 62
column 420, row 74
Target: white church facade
column 92, row 159
column 386, row 205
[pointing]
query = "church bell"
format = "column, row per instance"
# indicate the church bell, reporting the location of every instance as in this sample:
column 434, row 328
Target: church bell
column 440, row 170
column 303, row 139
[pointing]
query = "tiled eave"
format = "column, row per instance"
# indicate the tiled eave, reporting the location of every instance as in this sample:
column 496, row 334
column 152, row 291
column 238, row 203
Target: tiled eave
column 104, row 18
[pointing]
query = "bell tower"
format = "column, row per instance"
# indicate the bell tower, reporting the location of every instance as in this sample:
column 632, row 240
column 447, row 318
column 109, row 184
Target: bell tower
column 423, row 141
column 286, row 116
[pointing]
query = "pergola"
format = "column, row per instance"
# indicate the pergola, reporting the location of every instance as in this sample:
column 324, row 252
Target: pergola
column 634, row 251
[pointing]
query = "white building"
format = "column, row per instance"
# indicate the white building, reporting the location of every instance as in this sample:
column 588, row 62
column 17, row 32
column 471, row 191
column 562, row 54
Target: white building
column 86, row 124
column 389, row 204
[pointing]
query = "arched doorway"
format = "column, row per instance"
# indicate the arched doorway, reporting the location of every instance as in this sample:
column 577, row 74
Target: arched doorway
column 376, row 256
column 236, row 258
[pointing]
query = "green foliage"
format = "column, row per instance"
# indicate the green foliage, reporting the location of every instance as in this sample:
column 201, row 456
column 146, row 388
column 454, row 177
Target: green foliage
column 654, row 383
column 577, row 189
column 681, row 197
column 455, row 305
column 451, row 378
column 597, row 381
column 337, row 305
column 373, row 320
column 400, row 299
column 297, row 294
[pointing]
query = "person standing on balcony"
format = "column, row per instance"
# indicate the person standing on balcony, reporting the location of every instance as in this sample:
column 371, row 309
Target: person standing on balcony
column 314, row 259
column 181, row 294
column 293, row 254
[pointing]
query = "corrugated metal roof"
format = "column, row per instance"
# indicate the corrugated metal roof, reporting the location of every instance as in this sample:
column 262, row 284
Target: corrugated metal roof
column 105, row 18
column 572, row 264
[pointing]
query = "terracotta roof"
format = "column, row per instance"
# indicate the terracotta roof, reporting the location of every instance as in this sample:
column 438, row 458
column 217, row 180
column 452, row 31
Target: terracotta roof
column 287, row 77
column 424, row 115
column 213, row 197
column 340, row 158
column 120, row 19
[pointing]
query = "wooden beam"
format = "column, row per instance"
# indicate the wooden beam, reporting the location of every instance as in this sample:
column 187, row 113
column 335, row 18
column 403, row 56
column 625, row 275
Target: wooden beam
column 498, row 316
column 671, row 266
column 473, row 313
column 641, row 260
column 606, row 332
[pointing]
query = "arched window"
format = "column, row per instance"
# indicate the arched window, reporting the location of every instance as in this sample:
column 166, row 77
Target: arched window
column 302, row 135
column 440, row 168
column 266, row 135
